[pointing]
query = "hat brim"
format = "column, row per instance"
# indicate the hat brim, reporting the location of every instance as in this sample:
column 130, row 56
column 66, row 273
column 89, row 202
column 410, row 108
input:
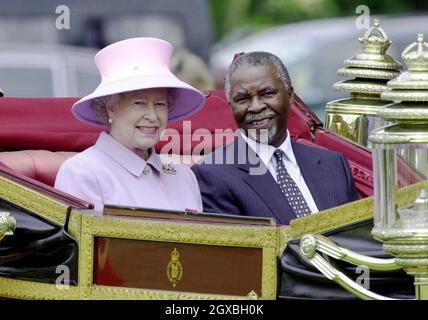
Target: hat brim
column 187, row 100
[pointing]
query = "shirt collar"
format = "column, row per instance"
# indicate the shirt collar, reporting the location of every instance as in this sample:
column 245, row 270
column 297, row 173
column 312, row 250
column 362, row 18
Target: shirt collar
column 125, row 157
column 265, row 151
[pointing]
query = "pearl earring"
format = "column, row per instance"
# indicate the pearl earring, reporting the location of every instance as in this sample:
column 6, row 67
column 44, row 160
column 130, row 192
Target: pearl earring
column 110, row 120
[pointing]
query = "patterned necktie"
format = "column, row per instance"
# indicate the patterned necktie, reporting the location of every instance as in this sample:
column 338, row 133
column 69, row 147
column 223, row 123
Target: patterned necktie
column 289, row 188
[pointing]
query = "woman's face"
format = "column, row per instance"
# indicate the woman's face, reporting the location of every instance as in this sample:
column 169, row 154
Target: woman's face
column 140, row 119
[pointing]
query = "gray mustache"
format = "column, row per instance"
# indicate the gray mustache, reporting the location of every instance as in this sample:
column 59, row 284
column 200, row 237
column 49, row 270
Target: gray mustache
column 259, row 116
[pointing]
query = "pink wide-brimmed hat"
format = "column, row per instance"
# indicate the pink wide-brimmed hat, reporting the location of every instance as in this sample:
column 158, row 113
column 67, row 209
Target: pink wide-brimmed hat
column 135, row 64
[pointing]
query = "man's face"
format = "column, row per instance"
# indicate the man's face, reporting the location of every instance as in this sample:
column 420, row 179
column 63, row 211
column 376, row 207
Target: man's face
column 260, row 103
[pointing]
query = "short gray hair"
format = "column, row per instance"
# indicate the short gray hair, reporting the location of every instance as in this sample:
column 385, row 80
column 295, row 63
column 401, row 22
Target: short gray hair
column 101, row 104
column 256, row 58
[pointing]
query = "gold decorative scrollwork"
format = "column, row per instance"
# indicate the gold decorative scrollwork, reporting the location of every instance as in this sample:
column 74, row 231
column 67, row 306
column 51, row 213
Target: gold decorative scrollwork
column 252, row 295
column 308, row 246
column 7, row 224
column 34, row 201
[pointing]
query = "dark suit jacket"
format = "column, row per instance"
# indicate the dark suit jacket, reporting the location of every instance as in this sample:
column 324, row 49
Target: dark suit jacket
column 229, row 187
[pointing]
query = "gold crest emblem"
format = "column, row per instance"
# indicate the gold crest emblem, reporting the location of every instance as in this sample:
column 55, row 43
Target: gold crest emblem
column 174, row 270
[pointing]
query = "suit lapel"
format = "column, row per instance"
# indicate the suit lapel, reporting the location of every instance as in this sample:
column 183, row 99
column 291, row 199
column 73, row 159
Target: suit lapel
column 312, row 171
column 264, row 185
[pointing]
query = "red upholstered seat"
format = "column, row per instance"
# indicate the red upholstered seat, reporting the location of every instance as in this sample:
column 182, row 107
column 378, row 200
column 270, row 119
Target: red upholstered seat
column 43, row 124
column 37, row 135
column 4, row 166
column 359, row 158
column 41, row 165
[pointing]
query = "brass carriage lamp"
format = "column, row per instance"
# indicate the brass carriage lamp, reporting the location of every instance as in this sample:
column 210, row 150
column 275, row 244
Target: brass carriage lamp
column 400, row 158
column 355, row 117
column 404, row 231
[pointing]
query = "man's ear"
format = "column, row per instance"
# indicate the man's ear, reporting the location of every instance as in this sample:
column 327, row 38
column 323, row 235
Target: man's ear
column 291, row 96
column 230, row 103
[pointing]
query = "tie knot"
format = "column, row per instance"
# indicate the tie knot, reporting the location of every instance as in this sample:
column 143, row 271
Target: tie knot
column 278, row 154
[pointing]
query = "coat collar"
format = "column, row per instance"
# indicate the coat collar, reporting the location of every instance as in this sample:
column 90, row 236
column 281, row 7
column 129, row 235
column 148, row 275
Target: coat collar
column 265, row 151
column 261, row 181
column 125, row 157
column 265, row 186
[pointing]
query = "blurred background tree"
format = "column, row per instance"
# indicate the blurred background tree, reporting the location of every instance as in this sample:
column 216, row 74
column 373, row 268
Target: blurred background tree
column 258, row 14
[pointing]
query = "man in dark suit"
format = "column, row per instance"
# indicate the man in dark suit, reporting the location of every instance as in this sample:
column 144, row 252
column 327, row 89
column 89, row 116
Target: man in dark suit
column 263, row 173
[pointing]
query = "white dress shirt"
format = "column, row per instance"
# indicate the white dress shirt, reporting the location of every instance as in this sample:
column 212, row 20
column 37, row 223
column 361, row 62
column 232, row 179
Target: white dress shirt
column 109, row 173
column 265, row 153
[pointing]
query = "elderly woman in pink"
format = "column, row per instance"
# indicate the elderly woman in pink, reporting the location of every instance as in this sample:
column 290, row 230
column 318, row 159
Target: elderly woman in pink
column 136, row 99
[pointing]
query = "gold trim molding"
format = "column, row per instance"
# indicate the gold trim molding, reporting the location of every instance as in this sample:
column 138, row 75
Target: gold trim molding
column 33, row 201
column 372, row 64
column 405, row 95
column 353, row 212
column 19, row 289
column 382, row 136
column 349, row 107
column 85, row 226
column 264, row 237
column 368, row 73
column 361, row 87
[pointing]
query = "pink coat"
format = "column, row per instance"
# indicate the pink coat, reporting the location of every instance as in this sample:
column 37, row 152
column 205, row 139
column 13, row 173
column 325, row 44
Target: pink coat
column 109, row 173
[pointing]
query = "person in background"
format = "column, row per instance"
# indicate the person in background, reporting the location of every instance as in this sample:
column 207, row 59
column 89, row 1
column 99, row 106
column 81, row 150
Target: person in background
column 192, row 69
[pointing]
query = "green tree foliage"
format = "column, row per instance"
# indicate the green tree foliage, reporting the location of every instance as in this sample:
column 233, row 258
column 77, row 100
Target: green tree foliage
column 231, row 14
